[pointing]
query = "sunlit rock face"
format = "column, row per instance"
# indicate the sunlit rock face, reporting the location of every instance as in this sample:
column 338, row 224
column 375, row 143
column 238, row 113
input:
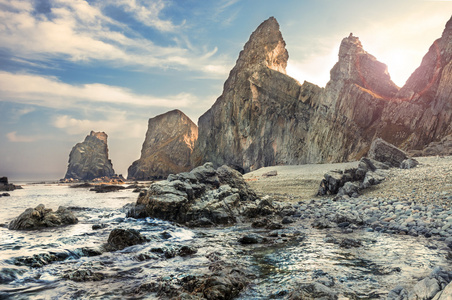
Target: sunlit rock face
column 89, row 159
column 422, row 111
column 167, row 147
column 265, row 117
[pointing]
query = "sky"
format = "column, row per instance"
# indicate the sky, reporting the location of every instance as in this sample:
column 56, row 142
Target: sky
column 71, row 66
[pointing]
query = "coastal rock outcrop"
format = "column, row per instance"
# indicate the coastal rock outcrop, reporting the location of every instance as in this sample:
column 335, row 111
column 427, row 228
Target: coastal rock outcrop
column 265, row 117
column 167, row 147
column 6, row 186
column 38, row 217
column 89, row 160
column 203, row 196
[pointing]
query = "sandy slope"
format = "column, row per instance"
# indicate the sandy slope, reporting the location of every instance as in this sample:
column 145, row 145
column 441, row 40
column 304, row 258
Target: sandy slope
column 430, row 182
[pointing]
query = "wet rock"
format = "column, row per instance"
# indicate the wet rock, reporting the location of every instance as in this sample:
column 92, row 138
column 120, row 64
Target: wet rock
column 40, row 260
column 350, row 243
column 310, row 291
column 99, row 226
column 5, row 195
column 106, row 188
column 5, row 186
column 84, row 275
column 82, row 185
column 186, row 250
column 351, row 217
column 385, row 152
column 122, row 238
column 287, row 220
column 251, row 238
column 409, row 163
column 212, row 196
column 38, row 217
column 321, row 224
column 222, row 286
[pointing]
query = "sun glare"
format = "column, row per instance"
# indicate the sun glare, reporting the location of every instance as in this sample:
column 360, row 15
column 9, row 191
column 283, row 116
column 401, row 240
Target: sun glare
column 401, row 64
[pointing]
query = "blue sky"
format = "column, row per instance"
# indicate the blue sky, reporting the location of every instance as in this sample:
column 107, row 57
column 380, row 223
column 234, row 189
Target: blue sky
column 68, row 67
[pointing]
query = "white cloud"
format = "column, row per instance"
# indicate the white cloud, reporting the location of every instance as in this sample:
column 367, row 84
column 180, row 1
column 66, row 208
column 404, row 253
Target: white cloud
column 117, row 124
column 50, row 92
column 13, row 137
column 78, row 31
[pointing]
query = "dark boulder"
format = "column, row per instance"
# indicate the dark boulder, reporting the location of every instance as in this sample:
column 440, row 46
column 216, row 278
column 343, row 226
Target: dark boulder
column 38, row 217
column 122, row 238
column 387, row 153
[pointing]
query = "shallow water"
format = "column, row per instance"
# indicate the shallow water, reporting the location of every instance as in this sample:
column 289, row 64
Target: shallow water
column 370, row 271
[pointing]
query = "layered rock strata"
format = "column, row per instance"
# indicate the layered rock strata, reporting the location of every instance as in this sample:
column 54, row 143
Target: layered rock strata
column 167, row 147
column 89, row 160
column 265, row 117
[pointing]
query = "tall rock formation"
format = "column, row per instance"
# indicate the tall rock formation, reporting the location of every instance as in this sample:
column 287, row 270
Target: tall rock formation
column 89, row 159
column 167, row 147
column 254, row 122
column 265, row 117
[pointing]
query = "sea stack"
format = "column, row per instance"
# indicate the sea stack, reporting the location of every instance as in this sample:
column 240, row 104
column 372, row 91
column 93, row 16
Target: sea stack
column 89, row 160
column 167, row 147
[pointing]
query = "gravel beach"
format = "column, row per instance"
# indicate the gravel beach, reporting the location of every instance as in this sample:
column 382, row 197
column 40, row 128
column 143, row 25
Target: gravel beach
column 429, row 183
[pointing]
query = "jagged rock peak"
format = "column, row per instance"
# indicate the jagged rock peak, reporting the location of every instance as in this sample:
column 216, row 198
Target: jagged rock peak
column 363, row 69
column 99, row 135
column 266, row 46
column 167, row 147
column 89, row 160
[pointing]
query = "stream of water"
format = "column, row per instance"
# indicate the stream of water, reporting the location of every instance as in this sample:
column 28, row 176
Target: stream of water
column 369, row 271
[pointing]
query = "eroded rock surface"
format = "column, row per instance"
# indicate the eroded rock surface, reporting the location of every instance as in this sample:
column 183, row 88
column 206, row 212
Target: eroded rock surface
column 167, row 147
column 38, row 217
column 89, row 160
column 203, row 196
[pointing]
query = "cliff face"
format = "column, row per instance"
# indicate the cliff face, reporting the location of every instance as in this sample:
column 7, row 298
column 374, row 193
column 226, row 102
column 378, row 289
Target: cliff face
column 167, row 147
column 89, row 159
column 265, row 117
column 253, row 123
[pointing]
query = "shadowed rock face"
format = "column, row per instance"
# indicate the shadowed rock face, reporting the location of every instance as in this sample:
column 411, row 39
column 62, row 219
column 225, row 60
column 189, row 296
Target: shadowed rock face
column 89, row 159
column 167, row 147
column 265, row 117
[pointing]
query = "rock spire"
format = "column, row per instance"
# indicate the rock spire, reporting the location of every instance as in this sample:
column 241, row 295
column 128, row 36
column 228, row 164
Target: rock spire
column 89, row 159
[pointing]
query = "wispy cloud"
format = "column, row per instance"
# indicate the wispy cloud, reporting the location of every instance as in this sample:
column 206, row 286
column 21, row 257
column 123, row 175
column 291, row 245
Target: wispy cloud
column 50, row 92
column 117, row 124
column 79, row 31
column 15, row 138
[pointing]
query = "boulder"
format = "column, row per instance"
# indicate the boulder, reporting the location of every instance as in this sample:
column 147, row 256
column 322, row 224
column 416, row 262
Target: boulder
column 311, row 291
column 409, row 163
column 199, row 197
column 122, row 238
column 38, row 217
column 386, row 153
column 167, row 147
column 89, row 159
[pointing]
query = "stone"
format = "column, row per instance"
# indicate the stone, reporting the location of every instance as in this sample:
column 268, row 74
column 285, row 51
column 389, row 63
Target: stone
column 167, row 147
column 446, row 294
column 38, row 217
column 270, row 174
column 310, row 291
column 385, row 152
column 106, row 188
column 122, row 238
column 251, row 238
column 203, row 196
column 89, row 160
column 409, row 163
